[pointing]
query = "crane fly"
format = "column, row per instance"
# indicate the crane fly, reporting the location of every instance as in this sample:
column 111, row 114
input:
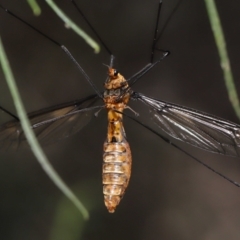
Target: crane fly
column 196, row 128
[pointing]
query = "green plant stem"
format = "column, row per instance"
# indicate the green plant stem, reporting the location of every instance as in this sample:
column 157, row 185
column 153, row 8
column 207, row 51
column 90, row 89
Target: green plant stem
column 222, row 51
column 35, row 7
column 30, row 136
column 73, row 26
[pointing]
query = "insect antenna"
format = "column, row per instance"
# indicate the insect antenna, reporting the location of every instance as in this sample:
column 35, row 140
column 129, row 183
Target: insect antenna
column 182, row 150
column 111, row 61
column 66, row 51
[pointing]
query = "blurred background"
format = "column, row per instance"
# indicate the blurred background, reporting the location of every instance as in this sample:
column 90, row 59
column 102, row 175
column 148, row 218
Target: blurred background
column 170, row 196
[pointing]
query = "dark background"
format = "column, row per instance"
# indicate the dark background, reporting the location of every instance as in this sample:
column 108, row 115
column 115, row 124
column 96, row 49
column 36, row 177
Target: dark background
column 170, row 196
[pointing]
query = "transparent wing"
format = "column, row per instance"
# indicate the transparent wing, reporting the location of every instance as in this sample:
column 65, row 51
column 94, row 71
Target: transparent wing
column 49, row 124
column 196, row 128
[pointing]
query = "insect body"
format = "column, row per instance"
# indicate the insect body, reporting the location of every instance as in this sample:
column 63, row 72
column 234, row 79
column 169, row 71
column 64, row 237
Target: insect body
column 117, row 159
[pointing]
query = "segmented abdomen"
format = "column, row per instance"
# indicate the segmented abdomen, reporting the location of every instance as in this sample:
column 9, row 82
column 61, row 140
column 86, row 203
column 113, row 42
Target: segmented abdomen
column 117, row 162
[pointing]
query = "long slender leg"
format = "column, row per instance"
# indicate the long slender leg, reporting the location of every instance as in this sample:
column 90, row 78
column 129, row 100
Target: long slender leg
column 66, row 51
column 92, row 28
column 155, row 38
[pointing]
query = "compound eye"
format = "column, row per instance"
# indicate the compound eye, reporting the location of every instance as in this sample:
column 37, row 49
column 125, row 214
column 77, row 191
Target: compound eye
column 115, row 72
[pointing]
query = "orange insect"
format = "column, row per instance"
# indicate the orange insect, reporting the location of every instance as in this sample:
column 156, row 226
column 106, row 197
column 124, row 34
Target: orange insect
column 117, row 159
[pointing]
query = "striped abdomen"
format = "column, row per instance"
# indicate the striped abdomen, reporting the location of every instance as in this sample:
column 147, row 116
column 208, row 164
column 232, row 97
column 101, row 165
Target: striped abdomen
column 117, row 162
column 117, row 159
